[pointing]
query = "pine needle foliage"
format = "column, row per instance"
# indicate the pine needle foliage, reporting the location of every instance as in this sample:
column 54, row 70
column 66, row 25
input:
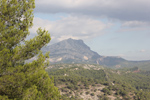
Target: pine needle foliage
column 20, row 80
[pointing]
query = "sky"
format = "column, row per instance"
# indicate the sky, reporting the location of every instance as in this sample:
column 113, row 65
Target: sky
column 109, row 27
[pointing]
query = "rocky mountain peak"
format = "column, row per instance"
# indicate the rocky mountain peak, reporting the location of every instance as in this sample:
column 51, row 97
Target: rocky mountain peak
column 72, row 43
column 71, row 51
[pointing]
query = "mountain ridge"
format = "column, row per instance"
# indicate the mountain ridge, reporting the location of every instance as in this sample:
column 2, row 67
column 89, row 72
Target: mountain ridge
column 76, row 51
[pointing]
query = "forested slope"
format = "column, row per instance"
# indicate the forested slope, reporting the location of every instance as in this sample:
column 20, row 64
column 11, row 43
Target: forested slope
column 84, row 81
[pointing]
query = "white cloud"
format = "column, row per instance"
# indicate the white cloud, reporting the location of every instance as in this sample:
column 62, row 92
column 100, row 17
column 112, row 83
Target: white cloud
column 134, row 26
column 38, row 22
column 142, row 50
column 77, row 27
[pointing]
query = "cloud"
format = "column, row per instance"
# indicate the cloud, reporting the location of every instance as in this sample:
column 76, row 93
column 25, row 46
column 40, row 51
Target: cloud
column 121, row 55
column 118, row 9
column 134, row 24
column 77, row 27
column 142, row 50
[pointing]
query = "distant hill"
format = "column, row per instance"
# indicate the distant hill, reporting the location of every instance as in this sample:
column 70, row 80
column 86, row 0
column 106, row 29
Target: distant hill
column 76, row 51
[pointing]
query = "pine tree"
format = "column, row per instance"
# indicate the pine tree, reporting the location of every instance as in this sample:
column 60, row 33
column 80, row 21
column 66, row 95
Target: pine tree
column 20, row 80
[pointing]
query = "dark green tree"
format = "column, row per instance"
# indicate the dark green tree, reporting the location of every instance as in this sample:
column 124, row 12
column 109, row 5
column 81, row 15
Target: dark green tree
column 20, row 80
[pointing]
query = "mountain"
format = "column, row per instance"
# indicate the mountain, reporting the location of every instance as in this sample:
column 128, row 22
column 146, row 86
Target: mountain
column 71, row 51
column 76, row 51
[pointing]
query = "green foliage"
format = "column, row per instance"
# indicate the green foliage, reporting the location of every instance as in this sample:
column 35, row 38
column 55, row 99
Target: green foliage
column 129, row 81
column 72, row 76
column 120, row 83
column 87, row 92
column 103, row 97
column 92, row 94
column 20, row 80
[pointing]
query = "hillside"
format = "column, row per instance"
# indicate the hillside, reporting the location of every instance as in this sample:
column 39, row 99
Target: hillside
column 94, row 82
